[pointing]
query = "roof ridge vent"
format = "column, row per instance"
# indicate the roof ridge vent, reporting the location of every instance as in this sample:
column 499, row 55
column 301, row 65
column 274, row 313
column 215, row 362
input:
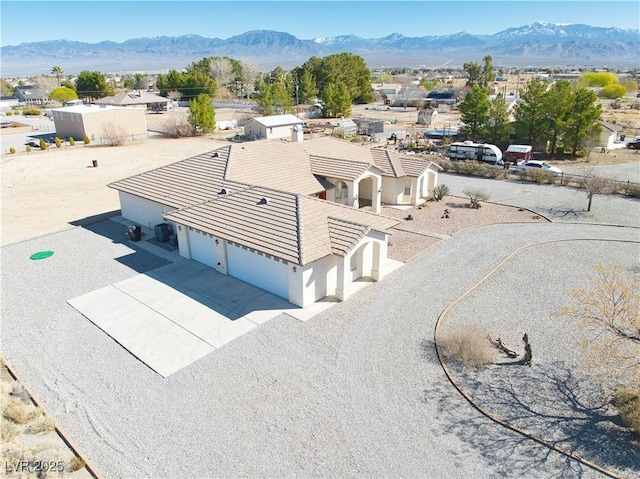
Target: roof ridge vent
column 215, row 154
column 263, row 201
column 224, row 191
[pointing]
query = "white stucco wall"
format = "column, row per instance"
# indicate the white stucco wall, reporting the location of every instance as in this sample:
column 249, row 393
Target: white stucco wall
column 141, row 211
column 202, row 248
column 392, row 189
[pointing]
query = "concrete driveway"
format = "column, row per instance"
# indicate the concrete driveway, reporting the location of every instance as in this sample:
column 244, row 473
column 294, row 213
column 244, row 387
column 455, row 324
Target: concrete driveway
column 174, row 315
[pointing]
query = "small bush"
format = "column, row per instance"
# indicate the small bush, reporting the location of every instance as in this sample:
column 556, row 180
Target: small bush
column 8, row 430
column 16, row 411
column 468, row 167
column 12, row 150
column 76, row 464
column 440, row 191
column 539, row 176
column 627, row 401
column 72, row 142
column 9, row 113
column 476, row 195
column 58, row 142
column 490, row 171
column 612, row 91
column 86, row 140
column 43, row 424
column 470, row 344
column 43, row 144
column 31, row 112
column 28, row 148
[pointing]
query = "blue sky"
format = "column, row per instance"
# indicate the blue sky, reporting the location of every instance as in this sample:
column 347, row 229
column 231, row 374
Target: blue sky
column 94, row 21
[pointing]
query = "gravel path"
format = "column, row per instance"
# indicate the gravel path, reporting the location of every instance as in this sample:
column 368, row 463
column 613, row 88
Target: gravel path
column 356, row 391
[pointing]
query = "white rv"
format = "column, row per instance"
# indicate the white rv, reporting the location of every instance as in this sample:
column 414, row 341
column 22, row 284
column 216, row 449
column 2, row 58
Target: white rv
column 468, row 150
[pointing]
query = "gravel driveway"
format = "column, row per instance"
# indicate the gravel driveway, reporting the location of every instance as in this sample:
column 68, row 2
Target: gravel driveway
column 354, row 392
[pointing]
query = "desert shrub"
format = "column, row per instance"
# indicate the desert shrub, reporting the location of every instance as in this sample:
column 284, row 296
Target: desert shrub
column 113, row 135
column 627, row 401
column 476, row 195
column 440, row 191
column 76, row 464
column 42, row 424
column 72, row 142
column 178, row 127
column 490, row 171
column 31, row 112
column 58, row 142
column 16, row 411
column 447, row 165
column 470, row 344
column 28, row 148
column 8, row 430
column 539, row 176
column 9, row 113
column 86, row 140
column 12, row 150
column 43, row 144
column 612, row 91
column 468, row 167
column 18, row 391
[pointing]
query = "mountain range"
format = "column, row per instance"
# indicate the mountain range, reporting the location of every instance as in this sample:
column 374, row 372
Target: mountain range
column 537, row 44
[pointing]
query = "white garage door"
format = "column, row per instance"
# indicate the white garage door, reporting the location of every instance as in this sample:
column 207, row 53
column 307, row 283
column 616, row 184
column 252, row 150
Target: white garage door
column 263, row 272
column 202, row 248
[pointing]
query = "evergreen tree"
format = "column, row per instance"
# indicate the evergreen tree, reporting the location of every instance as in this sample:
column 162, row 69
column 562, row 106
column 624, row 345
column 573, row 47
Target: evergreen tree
column 202, row 115
column 475, row 112
column 557, row 102
column 308, row 90
column 531, row 114
column 497, row 127
column 582, row 117
column 336, row 101
column 92, row 85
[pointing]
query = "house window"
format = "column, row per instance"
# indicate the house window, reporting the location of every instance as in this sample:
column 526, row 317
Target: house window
column 342, row 193
column 407, row 187
column 353, row 262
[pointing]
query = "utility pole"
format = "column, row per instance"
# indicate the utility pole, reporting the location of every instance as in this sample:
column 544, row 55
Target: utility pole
column 297, row 100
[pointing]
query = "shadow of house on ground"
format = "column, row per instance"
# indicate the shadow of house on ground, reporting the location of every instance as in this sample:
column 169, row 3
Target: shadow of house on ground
column 549, row 401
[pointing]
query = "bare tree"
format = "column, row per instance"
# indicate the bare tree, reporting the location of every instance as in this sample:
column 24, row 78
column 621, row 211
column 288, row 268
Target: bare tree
column 113, row 135
column 608, row 312
column 595, row 185
column 409, row 91
column 174, row 95
column 178, row 126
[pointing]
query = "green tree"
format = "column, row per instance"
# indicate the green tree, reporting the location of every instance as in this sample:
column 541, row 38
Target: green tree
column 265, row 100
column 135, row 82
column 482, row 76
column 473, row 72
column 346, row 68
column 531, row 115
column 92, row 85
column 475, row 112
column 498, row 126
column 612, row 91
column 172, row 81
column 488, row 75
column 282, row 100
column 63, row 94
column 57, row 71
column 202, row 114
column 308, row 90
column 556, row 102
column 336, row 101
column 582, row 117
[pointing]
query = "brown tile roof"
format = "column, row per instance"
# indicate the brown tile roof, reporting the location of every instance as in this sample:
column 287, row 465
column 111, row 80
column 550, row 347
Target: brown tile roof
column 274, row 164
column 183, row 183
column 134, row 97
column 337, row 168
column 295, row 228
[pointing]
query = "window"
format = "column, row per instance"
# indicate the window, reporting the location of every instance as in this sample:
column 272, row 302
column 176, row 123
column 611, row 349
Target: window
column 342, row 193
column 407, row 187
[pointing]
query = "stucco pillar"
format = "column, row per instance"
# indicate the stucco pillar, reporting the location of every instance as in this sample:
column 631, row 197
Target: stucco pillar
column 343, row 283
column 355, row 195
column 184, row 248
column 379, row 257
column 415, row 188
column 376, row 200
column 220, row 249
column 296, row 285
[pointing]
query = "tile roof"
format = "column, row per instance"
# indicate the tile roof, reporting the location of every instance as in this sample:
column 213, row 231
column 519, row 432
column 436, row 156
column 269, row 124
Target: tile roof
column 274, row 164
column 183, row 183
column 337, row 168
column 134, row 97
column 292, row 227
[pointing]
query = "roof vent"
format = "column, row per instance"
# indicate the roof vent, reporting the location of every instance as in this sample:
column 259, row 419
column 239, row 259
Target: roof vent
column 263, row 201
column 224, row 191
column 215, row 154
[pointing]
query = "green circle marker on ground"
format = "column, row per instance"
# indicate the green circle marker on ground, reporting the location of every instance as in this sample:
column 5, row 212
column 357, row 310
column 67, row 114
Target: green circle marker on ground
column 41, row 255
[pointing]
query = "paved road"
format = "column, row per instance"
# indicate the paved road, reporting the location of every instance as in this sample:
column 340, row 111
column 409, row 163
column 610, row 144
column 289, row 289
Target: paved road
column 623, row 172
column 354, row 392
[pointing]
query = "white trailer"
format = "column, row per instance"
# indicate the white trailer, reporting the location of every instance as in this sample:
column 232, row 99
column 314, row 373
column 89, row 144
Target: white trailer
column 468, row 150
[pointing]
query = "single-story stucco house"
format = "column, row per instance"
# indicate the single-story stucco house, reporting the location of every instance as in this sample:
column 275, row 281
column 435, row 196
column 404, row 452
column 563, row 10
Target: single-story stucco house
column 273, row 127
column 136, row 99
column 298, row 219
column 99, row 122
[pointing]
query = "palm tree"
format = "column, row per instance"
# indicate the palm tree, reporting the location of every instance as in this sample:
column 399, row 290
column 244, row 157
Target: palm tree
column 58, row 72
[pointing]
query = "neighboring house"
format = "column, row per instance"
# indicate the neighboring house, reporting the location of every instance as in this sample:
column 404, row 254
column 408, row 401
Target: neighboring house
column 387, row 88
column 272, row 127
column 31, row 95
column 137, row 99
column 609, row 135
column 8, row 102
column 284, row 216
column 99, row 122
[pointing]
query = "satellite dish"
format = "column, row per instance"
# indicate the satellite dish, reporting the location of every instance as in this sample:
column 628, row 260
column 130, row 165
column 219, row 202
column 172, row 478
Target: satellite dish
column 296, row 128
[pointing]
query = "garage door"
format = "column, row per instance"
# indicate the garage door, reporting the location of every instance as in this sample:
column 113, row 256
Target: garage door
column 263, row 272
column 202, row 248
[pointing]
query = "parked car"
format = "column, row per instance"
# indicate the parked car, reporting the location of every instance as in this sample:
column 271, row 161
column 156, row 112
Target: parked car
column 540, row 165
column 634, row 145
